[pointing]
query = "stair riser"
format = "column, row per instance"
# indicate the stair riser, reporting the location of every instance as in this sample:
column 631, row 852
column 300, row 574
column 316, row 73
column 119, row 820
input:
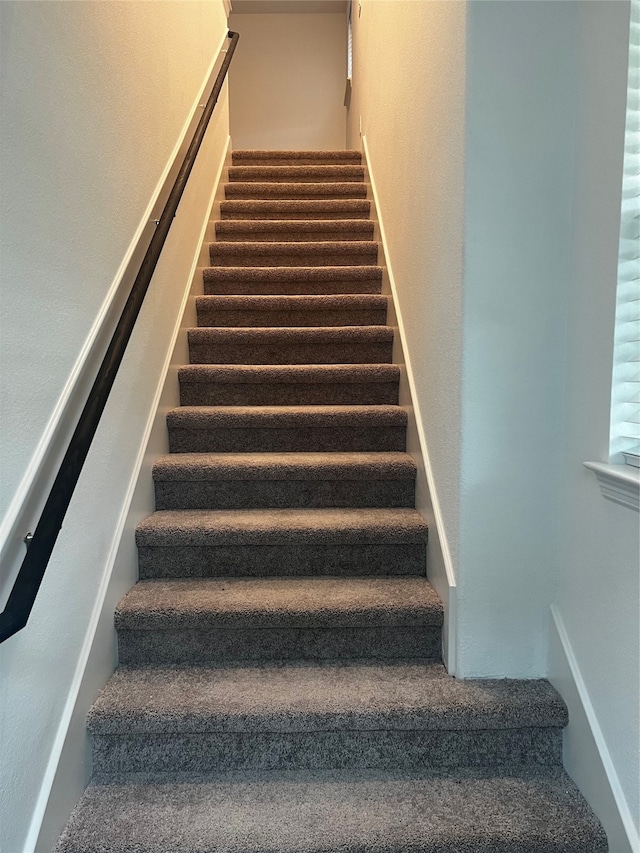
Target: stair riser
column 281, row 352
column 214, row 318
column 258, row 191
column 251, row 287
column 291, row 281
column 252, row 494
column 301, row 174
column 276, row 158
column 193, row 646
column 232, row 234
column 226, row 256
column 300, row 211
column 282, row 560
column 322, row 394
column 312, row 439
column 340, row 750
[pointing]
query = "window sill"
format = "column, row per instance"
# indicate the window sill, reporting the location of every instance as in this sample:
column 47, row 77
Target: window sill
column 618, row 483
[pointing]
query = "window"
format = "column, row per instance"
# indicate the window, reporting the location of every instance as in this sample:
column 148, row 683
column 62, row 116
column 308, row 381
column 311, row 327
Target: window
column 625, row 403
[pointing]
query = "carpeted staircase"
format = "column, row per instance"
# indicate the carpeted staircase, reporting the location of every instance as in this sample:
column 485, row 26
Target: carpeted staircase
column 280, row 687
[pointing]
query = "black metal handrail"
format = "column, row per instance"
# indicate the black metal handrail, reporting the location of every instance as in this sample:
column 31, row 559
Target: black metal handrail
column 23, row 594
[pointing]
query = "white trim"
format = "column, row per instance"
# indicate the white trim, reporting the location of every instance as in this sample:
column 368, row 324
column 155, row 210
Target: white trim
column 597, row 765
column 65, row 720
column 450, row 632
column 29, row 499
column 618, row 483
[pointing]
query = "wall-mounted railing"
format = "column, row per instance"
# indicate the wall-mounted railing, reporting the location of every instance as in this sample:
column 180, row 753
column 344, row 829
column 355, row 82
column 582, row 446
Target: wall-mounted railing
column 41, row 542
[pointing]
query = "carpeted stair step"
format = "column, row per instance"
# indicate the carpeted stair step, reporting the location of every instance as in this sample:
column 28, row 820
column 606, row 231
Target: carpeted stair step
column 292, row 345
column 280, row 687
column 292, row 280
column 318, row 716
column 316, row 209
column 294, row 230
column 280, row 480
column 206, row 621
column 278, row 311
column 260, row 157
column 272, row 542
column 287, row 254
column 289, row 385
column 281, row 190
column 463, row 811
column 317, row 173
column 286, row 429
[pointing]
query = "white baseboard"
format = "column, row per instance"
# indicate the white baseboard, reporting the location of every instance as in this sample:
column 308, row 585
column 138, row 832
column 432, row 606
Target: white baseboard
column 586, row 755
column 439, row 563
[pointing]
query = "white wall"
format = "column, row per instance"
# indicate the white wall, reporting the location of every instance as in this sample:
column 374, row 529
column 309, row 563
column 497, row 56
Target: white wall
column 408, row 87
column 95, row 98
column 510, row 349
column 287, row 83
column 546, row 92
column 598, row 588
column 521, row 83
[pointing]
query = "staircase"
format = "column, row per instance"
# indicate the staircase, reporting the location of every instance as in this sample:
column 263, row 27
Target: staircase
column 280, row 687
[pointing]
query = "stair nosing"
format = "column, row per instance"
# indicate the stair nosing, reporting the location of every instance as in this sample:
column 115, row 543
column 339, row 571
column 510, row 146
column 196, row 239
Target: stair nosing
column 268, row 697
column 286, row 417
column 196, row 467
column 358, row 526
column 356, row 373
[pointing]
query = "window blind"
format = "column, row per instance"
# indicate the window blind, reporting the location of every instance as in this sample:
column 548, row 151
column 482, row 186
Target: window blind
column 625, row 408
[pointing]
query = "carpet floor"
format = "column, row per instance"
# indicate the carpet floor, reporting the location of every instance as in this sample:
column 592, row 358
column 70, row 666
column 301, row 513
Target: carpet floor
column 280, row 686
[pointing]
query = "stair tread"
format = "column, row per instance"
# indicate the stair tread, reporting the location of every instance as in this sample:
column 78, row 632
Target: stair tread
column 475, row 811
column 285, row 417
column 272, row 526
column 284, row 466
column 289, row 373
column 313, row 696
column 290, row 602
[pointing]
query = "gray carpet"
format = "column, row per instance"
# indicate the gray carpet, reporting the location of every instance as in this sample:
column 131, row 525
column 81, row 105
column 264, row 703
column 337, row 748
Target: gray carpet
column 521, row 811
column 280, row 687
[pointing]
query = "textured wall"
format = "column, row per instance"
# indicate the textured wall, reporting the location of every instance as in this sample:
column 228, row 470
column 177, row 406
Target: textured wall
column 288, row 81
column 95, row 96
